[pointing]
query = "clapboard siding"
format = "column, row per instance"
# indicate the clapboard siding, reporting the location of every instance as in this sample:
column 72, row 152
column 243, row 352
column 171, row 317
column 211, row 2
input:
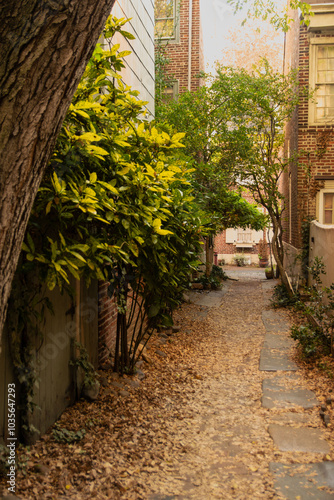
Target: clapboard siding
column 139, row 71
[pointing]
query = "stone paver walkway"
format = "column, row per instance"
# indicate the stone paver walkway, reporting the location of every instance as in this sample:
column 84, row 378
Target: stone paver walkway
column 287, row 391
column 231, row 433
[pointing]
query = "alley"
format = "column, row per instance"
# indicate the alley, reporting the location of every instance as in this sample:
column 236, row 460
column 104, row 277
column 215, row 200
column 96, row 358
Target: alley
column 217, row 411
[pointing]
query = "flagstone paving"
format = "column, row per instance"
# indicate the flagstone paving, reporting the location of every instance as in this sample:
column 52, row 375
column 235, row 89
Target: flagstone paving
column 306, row 482
column 225, row 414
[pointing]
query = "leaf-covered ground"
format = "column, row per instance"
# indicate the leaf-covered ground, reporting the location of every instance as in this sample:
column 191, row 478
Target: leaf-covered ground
column 192, row 428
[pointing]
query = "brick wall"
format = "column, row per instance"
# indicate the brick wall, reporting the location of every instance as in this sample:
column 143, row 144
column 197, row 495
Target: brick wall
column 316, row 163
column 108, row 323
column 178, row 50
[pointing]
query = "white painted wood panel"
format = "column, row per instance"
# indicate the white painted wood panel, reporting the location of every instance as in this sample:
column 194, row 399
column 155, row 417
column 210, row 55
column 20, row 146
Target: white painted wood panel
column 139, row 71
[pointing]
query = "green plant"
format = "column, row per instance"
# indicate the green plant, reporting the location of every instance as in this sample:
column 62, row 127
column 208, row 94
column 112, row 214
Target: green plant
column 316, row 338
column 240, row 260
column 281, row 297
column 82, row 362
column 218, row 272
column 63, row 435
column 311, row 340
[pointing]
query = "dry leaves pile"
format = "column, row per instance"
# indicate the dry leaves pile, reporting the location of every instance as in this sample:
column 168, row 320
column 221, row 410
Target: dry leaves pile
column 193, row 428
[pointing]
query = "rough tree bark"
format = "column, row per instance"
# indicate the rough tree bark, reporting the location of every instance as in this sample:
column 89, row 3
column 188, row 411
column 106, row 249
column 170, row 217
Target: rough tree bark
column 45, row 46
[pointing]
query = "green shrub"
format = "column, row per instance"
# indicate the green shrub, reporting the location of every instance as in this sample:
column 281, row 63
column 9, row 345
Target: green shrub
column 311, row 340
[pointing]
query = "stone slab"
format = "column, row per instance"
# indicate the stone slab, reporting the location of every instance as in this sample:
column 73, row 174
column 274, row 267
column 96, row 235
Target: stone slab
column 274, row 321
column 298, row 439
column 277, row 341
column 277, row 395
column 289, row 399
column 304, row 481
column 273, row 361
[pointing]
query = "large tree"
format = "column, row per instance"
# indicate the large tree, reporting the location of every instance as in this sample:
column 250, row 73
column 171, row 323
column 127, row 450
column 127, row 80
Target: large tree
column 264, row 101
column 214, row 148
column 45, row 46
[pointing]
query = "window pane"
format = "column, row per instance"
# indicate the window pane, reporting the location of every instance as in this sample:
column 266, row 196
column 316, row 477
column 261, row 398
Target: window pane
column 163, row 8
column 328, row 208
column 321, row 76
column 328, row 201
column 330, row 51
column 164, row 28
column 322, row 51
column 322, row 64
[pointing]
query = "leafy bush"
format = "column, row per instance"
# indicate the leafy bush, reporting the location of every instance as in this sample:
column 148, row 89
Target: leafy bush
column 240, row 260
column 217, row 272
column 281, row 297
column 311, row 340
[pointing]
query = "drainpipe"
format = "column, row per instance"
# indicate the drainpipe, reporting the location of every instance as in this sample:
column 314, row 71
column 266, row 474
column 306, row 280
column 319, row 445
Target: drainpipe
column 190, row 42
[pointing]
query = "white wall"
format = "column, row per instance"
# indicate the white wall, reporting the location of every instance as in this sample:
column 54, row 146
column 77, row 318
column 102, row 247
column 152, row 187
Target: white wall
column 322, row 245
column 139, row 71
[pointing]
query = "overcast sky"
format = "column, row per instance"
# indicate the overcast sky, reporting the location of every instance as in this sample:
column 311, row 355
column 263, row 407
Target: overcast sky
column 217, row 18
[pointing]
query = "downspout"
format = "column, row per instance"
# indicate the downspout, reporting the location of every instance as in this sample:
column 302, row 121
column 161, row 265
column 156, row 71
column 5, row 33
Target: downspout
column 190, row 42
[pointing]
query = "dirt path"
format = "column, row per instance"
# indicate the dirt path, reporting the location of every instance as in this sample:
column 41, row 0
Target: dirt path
column 193, row 428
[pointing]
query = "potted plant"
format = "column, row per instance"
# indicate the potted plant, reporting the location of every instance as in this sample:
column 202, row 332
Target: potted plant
column 269, row 272
column 263, row 252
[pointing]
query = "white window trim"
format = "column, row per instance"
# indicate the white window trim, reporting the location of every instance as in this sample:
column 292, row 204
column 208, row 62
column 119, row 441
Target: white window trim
column 321, row 206
column 176, row 36
column 314, row 43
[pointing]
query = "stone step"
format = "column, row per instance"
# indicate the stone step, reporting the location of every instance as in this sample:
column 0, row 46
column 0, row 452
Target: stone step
column 304, row 481
column 301, row 439
column 286, row 392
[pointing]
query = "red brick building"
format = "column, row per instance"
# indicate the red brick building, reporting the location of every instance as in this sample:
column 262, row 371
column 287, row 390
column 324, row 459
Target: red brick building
column 234, row 242
column 178, row 30
column 308, row 185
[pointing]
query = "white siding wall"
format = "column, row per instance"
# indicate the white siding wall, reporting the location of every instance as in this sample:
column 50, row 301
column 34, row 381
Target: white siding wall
column 139, row 71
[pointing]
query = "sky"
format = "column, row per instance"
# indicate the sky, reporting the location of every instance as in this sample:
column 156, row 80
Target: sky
column 217, row 19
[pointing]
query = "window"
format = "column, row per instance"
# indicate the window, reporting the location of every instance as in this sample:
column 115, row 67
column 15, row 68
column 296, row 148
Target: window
column 322, row 80
column 328, row 212
column 171, row 92
column 325, row 204
column 165, row 19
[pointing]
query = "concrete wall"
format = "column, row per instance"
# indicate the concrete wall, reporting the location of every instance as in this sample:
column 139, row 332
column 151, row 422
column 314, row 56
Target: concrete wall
column 322, row 245
column 140, row 70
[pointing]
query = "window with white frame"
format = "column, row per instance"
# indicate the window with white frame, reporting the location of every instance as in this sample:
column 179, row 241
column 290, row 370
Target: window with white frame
column 326, row 206
column 165, row 13
column 321, row 110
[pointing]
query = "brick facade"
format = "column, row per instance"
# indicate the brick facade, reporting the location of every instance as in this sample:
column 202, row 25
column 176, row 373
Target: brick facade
column 314, row 143
column 225, row 250
column 178, row 50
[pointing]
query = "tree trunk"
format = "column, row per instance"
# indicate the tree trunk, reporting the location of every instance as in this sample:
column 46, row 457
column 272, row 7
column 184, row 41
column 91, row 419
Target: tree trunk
column 45, row 46
column 278, row 251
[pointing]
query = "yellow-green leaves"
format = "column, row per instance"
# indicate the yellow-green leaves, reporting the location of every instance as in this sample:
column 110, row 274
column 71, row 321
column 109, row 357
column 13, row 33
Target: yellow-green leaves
column 157, row 228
